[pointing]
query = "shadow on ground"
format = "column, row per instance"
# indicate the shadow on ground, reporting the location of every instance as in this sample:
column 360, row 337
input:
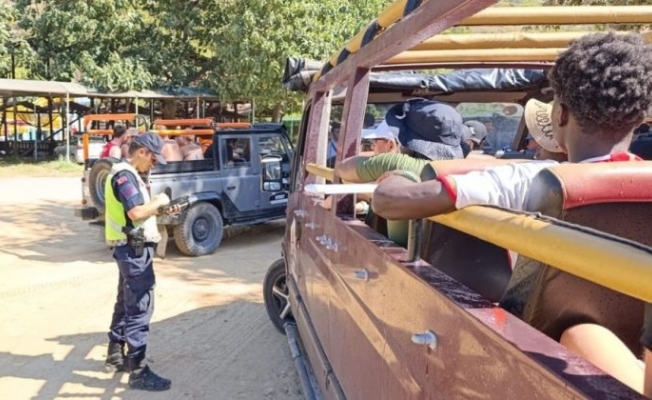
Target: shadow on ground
column 193, row 349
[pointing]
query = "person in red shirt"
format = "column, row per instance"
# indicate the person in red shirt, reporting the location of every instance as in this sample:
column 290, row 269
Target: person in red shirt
column 602, row 88
column 113, row 148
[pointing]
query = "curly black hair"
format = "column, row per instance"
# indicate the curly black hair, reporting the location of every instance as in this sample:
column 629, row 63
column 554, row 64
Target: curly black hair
column 605, row 79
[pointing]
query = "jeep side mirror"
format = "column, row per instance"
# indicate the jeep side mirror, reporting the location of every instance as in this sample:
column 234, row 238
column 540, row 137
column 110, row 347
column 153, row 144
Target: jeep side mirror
column 271, row 177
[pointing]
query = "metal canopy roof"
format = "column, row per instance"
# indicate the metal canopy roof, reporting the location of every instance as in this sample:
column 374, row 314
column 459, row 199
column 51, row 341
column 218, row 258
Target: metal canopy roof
column 26, row 87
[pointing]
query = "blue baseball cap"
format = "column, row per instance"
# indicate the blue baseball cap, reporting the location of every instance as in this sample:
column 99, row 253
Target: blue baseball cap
column 152, row 142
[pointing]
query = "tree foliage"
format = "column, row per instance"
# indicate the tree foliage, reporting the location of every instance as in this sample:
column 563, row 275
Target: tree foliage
column 237, row 47
column 258, row 35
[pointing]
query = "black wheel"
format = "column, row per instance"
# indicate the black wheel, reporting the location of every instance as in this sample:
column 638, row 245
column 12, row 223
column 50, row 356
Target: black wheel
column 96, row 180
column 277, row 295
column 200, row 231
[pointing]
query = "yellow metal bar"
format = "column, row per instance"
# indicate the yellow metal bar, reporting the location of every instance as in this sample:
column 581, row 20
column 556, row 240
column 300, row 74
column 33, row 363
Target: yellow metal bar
column 474, row 55
column 511, row 40
column 389, row 16
column 392, row 13
column 560, row 15
column 612, row 264
column 321, row 171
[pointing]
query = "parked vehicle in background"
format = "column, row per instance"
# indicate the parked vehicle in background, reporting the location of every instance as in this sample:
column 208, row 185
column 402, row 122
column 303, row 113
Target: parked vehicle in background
column 95, row 146
column 242, row 180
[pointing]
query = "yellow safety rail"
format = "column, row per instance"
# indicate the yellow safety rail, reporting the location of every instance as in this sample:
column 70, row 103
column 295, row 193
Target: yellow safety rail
column 615, row 265
column 560, row 15
column 496, row 16
column 509, row 40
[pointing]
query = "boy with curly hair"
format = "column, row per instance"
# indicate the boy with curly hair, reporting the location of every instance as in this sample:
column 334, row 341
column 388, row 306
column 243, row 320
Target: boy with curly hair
column 603, row 89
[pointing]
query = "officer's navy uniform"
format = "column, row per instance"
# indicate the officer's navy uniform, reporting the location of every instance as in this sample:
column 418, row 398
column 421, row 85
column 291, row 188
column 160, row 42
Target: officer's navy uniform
column 135, row 302
column 124, row 190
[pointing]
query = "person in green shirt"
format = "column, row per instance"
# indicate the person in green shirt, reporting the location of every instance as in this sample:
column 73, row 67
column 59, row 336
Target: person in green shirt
column 424, row 130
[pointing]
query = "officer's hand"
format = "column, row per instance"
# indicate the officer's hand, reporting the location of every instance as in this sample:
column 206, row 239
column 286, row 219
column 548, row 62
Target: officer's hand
column 175, row 209
column 161, row 199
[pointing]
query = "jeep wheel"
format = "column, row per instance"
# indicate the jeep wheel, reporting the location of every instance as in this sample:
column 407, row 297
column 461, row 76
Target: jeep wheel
column 277, row 295
column 96, row 180
column 200, row 231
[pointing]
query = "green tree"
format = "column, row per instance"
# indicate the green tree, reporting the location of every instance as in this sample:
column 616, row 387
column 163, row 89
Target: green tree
column 256, row 36
column 92, row 41
column 14, row 50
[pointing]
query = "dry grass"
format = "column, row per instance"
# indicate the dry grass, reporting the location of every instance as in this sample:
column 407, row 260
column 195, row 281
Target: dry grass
column 21, row 167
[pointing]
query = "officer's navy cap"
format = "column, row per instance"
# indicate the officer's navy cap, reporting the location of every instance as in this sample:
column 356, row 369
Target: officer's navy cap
column 152, row 142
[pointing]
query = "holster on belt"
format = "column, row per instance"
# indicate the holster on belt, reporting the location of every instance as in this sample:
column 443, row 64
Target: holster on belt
column 135, row 239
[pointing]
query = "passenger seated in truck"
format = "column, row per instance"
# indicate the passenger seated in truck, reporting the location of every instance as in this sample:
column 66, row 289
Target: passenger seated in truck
column 129, row 137
column 112, row 148
column 190, row 149
column 602, row 88
column 333, row 136
column 539, row 124
column 642, row 143
column 171, row 151
column 475, row 136
column 425, row 130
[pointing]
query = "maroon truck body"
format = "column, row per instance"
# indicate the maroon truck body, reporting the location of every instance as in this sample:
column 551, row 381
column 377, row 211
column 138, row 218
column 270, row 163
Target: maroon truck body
column 374, row 326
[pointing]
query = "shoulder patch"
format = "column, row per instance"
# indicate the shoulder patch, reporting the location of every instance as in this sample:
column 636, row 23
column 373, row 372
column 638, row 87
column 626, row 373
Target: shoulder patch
column 121, row 180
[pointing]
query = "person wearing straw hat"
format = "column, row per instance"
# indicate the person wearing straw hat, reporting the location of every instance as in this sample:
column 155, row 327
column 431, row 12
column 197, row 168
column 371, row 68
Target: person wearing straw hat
column 538, row 120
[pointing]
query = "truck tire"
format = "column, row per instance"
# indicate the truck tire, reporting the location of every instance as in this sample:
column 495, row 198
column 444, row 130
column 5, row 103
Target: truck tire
column 200, row 231
column 96, row 180
column 276, row 295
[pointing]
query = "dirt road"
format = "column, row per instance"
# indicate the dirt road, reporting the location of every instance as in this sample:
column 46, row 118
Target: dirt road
column 210, row 333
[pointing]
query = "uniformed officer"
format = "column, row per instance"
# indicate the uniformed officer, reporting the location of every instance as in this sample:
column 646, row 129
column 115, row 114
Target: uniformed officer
column 131, row 231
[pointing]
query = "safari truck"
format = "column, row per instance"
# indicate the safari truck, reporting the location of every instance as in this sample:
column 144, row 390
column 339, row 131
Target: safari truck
column 447, row 316
column 243, row 179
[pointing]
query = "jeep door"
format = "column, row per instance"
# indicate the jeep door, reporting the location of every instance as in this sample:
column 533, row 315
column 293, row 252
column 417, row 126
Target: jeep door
column 273, row 145
column 241, row 173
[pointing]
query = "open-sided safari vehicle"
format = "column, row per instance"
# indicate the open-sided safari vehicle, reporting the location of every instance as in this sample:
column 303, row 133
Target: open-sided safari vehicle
column 447, row 317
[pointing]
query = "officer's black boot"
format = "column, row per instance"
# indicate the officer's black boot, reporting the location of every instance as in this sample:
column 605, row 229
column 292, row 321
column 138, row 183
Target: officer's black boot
column 115, row 357
column 143, row 378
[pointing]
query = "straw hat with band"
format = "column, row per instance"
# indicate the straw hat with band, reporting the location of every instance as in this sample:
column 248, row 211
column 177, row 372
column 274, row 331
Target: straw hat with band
column 538, row 118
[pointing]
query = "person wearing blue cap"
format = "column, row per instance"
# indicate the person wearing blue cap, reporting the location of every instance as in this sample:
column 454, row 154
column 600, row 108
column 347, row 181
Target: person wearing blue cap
column 424, row 130
column 131, row 231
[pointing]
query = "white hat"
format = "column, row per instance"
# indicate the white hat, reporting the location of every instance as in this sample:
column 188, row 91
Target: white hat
column 382, row 131
column 539, row 122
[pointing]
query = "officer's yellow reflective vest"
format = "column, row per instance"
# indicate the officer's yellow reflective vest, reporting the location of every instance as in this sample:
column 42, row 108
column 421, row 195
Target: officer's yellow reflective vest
column 115, row 216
